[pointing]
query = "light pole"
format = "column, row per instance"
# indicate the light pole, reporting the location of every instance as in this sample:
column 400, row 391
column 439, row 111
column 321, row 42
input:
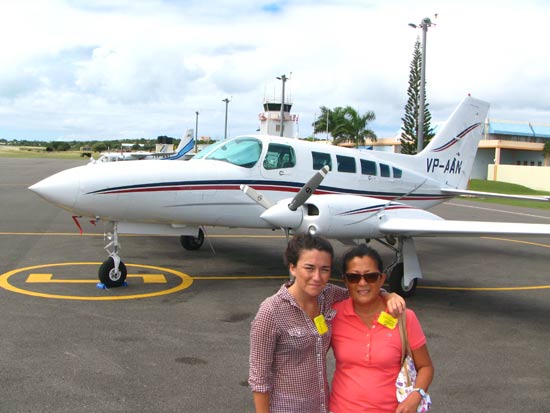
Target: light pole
column 283, row 78
column 226, row 100
column 424, row 24
column 196, row 129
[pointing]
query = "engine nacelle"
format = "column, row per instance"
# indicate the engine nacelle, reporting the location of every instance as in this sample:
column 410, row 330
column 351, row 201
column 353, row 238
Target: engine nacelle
column 350, row 216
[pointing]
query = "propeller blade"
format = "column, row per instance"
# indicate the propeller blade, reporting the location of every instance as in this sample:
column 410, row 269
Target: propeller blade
column 257, row 196
column 308, row 189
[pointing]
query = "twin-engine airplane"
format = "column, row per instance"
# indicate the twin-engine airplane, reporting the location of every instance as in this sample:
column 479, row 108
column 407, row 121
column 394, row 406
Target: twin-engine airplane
column 262, row 182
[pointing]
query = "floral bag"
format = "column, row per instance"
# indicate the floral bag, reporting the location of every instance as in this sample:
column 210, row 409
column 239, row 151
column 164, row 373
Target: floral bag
column 406, row 378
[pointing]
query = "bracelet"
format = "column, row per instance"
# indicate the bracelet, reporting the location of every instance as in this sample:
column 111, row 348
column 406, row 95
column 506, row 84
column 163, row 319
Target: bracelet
column 420, row 391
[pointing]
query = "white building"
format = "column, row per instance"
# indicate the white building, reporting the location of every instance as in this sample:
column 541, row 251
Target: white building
column 270, row 119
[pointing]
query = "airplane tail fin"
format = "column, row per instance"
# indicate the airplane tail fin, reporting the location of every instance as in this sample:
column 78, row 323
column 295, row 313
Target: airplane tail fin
column 186, row 144
column 449, row 157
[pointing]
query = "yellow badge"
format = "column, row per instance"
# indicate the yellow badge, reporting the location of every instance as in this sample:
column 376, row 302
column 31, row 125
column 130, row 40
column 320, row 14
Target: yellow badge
column 387, row 320
column 321, row 324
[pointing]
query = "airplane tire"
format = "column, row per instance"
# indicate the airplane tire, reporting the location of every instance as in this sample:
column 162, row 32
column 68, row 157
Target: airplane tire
column 397, row 282
column 110, row 277
column 192, row 243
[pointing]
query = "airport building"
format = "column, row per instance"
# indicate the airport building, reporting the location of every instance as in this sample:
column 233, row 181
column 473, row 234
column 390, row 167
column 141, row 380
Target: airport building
column 509, row 152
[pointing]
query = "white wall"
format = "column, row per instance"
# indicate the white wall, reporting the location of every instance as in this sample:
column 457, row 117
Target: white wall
column 535, row 177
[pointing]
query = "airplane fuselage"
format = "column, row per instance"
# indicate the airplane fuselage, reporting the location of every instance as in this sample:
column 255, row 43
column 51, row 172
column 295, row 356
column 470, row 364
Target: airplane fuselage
column 206, row 190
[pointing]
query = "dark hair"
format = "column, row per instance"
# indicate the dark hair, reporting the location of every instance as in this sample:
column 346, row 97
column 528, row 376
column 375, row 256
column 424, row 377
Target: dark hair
column 301, row 242
column 359, row 251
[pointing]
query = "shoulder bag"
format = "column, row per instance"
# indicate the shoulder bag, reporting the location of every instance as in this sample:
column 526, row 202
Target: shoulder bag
column 406, row 378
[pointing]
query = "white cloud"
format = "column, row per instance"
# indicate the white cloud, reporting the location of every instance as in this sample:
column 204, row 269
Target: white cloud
column 141, row 69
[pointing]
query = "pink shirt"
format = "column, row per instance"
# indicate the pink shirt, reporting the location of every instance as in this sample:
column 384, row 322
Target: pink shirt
column 367, row 361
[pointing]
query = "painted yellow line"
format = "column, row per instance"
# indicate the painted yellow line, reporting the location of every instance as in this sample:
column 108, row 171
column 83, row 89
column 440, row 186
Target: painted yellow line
column 186, row 281
column 518, row 241
column 248, row 277
column 48, row 278
column 338, row 280
column 519, row 288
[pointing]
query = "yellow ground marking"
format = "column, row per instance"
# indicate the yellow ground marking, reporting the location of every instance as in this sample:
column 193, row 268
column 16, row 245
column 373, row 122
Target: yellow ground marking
column 245, row 277
column 48, row 278
column 518, row 241
column 186, row 281
column 339, row 280
column 519, row 288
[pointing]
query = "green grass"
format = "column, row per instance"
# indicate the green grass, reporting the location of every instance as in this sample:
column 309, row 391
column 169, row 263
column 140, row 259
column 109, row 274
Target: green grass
column 38, row 153
column 507, row 188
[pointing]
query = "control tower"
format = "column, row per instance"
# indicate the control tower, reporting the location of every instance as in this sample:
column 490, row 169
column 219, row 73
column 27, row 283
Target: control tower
column 270, row 118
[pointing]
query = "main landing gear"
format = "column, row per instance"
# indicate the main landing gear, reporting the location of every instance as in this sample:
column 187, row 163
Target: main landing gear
column 191, row 243
column 112, row 273
column 404, row 250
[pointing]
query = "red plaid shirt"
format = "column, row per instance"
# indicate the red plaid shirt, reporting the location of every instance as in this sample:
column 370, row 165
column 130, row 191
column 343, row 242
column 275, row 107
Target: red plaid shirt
column 288, row 355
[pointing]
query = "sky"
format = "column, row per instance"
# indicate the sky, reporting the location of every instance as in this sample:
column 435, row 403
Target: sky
column 131, row 69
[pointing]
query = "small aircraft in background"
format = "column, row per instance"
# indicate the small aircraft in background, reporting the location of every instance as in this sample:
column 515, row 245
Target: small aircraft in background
column 186, row 144
column 294, row 185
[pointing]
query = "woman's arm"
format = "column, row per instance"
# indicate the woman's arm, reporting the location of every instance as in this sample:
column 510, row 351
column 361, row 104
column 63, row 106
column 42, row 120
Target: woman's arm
column 261, row 402
column 263, row 344
column 424, row 377
column 394, row 303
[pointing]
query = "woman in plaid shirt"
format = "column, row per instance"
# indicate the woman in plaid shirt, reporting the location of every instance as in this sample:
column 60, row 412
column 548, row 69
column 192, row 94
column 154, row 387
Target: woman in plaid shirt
column 291, row 332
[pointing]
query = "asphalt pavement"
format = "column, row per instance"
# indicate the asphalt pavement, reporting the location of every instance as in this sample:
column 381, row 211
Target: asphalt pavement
column 176, row 339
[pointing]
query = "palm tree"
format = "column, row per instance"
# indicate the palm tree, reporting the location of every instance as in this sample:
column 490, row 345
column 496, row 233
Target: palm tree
column 354, row 127
column 328, row 120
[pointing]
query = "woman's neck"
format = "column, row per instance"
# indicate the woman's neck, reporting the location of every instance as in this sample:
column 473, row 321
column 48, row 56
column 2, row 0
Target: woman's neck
column 305, row 301
column 370, row 309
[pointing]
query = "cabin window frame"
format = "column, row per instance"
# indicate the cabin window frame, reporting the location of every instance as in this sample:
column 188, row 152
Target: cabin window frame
column 320, row 160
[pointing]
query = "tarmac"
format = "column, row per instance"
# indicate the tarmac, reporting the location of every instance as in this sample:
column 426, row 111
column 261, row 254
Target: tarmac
column 176, row 339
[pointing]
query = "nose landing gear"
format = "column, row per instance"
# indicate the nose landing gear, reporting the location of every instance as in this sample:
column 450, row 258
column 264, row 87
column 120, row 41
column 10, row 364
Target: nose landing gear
column 112, row 273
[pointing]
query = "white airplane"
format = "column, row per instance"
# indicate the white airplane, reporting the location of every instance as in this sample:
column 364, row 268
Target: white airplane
column 186, row 144
column 262, row 182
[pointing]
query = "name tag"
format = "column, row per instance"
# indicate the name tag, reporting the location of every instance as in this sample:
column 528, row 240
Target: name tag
column 321, row 324
column 387, row 320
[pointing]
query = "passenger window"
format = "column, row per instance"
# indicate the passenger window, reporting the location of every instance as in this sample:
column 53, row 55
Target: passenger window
column 384, row 170
column 279, row 156
column 368, row 167
column 397, row 173
column 345, row 164
column 321, row 159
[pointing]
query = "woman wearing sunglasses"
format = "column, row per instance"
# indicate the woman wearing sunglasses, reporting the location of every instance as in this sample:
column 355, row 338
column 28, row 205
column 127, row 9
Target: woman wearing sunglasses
column 290, row 334
column 366, row 347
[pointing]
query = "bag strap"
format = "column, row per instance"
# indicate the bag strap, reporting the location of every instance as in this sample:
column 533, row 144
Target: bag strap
column 405, row 347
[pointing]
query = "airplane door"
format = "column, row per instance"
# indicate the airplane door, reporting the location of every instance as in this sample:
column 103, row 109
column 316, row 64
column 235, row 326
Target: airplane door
column 279, row 162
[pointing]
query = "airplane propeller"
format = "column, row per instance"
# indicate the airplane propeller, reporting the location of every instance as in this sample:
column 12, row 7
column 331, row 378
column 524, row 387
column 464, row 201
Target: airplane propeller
column 308, row 189
column 287, row 216
column 257, row 196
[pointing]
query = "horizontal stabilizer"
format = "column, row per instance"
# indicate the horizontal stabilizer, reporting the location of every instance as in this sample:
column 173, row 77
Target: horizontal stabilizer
column 433, row 228
column 465, row 192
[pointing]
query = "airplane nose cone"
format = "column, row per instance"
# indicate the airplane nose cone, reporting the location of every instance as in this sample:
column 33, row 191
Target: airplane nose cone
column 60, row 189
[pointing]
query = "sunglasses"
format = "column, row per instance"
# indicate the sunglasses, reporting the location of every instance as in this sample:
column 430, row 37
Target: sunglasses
column 370, row 277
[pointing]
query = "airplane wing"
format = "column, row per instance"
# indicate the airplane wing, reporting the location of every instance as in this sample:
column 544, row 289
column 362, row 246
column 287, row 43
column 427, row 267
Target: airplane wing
column 465, row 192
column 433, row 228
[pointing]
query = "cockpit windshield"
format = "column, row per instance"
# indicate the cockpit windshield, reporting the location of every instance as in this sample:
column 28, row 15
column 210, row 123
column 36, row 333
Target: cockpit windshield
column 243, row 152
column 203, row 152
